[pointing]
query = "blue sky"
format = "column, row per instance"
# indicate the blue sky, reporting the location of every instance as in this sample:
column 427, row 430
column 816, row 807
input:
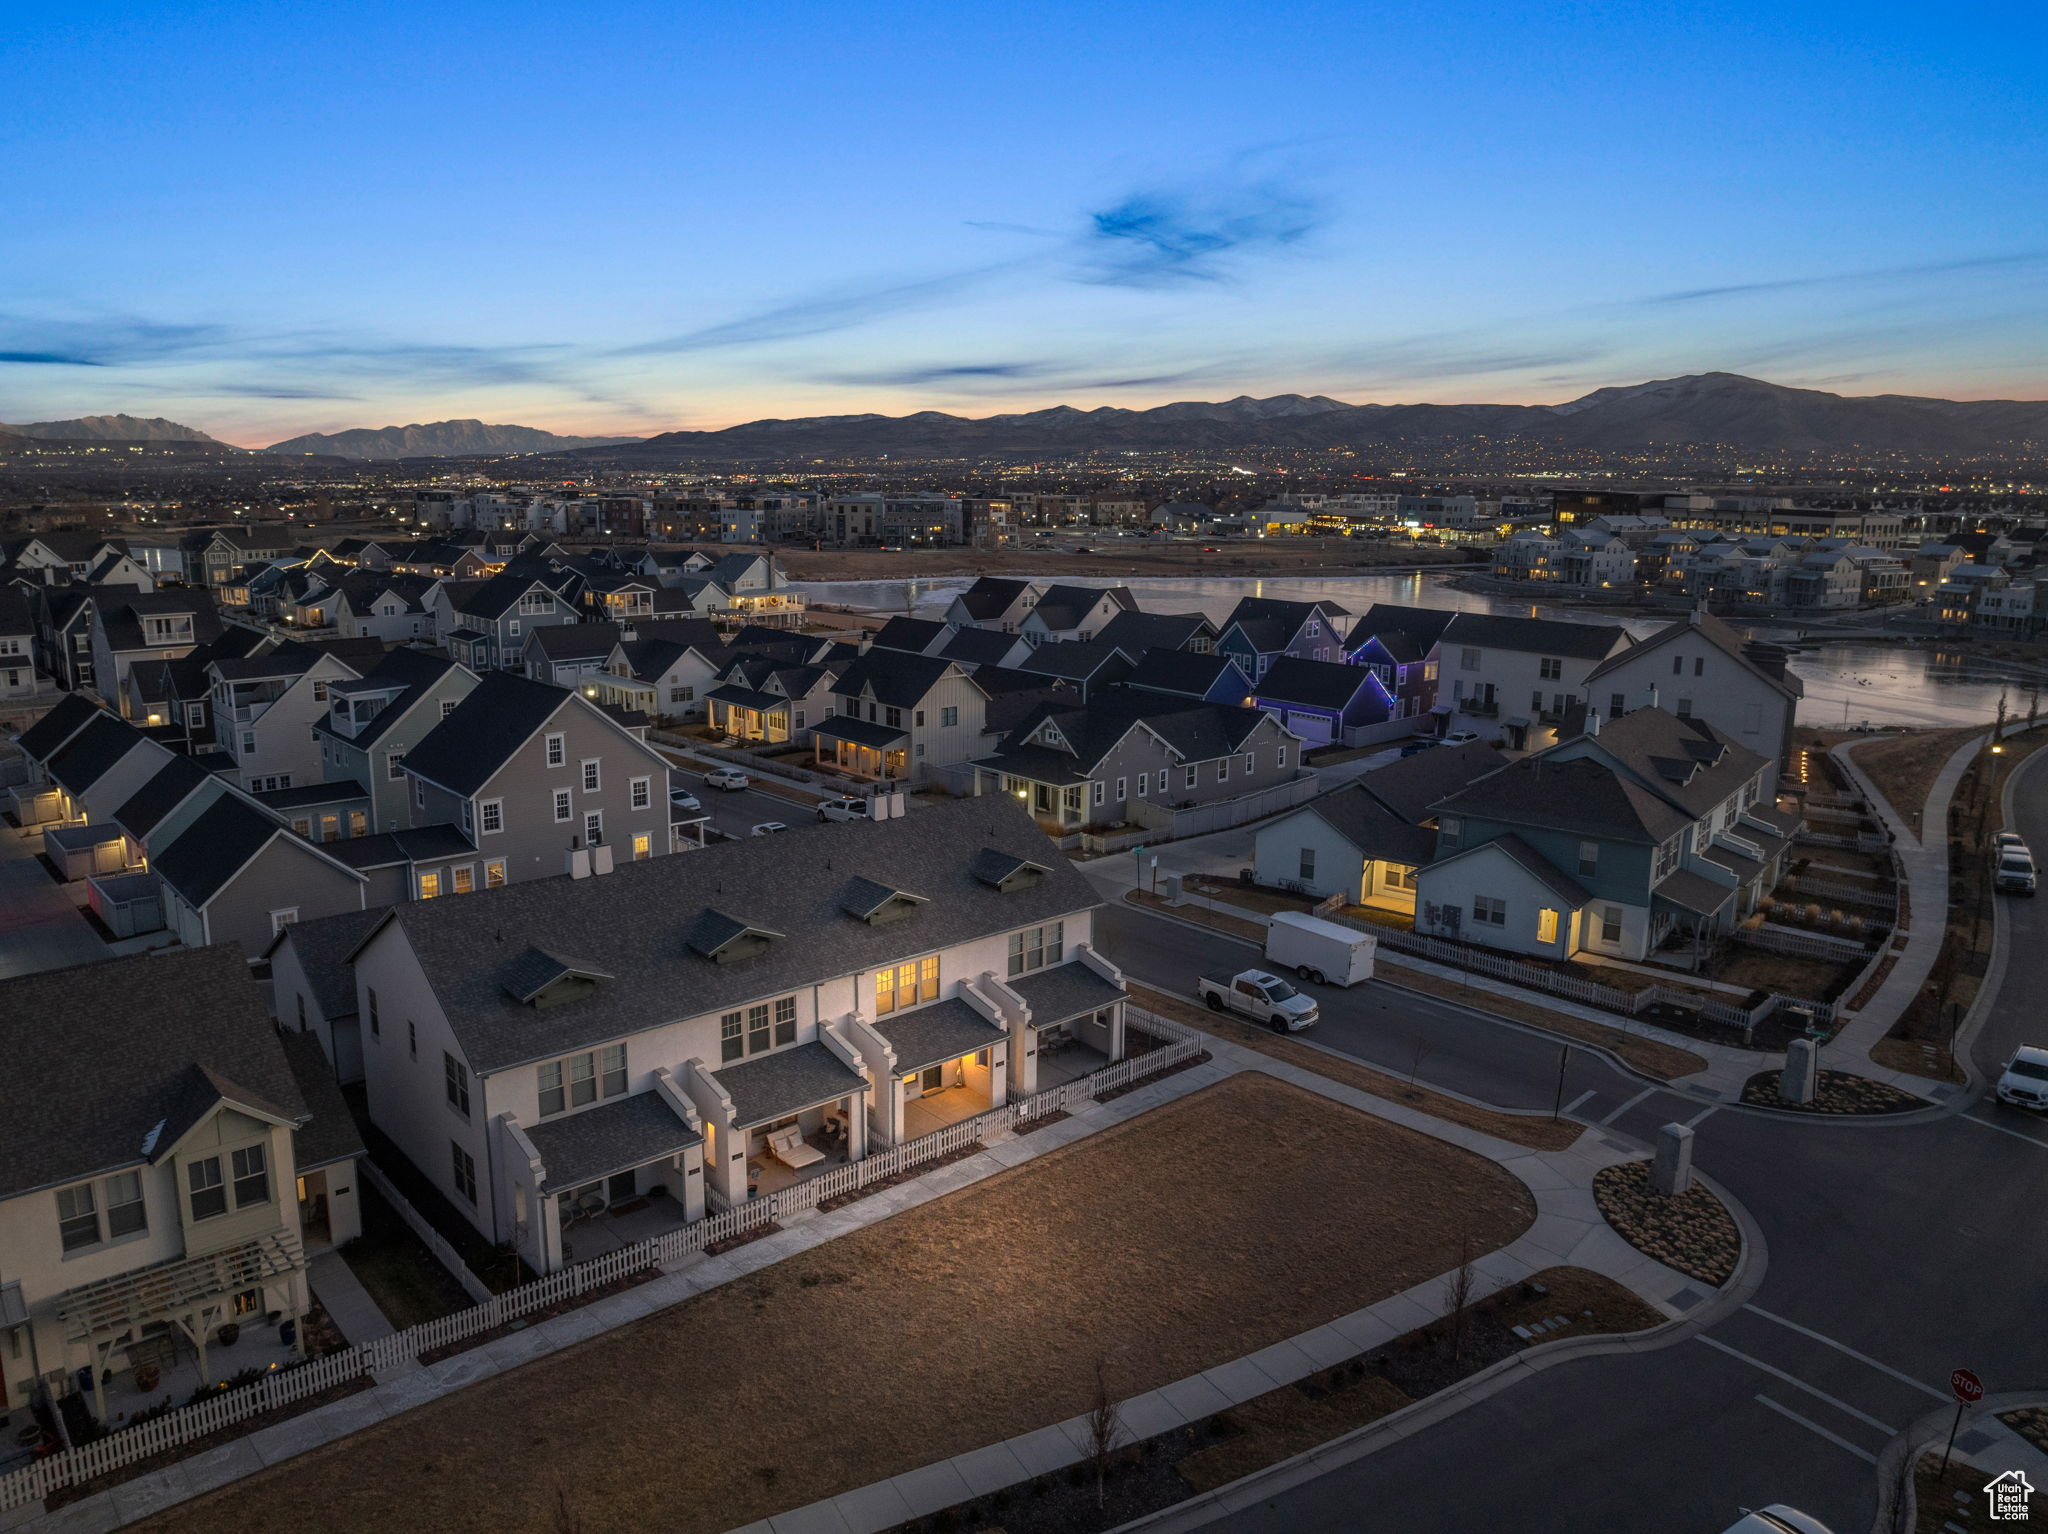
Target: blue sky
column 266, row 219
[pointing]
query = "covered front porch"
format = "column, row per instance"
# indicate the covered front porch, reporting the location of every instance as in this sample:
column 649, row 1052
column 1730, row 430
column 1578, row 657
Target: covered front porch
column 184, row 1312
column 785, row 1116
column 1074, row 1017
column 746, row 714
column 613, row 1175
column 1059, row 804
column 938, row 1064
column 861, row 747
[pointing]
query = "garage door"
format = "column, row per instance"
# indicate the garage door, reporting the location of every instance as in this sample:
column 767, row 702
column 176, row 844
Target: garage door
column 1313, row 728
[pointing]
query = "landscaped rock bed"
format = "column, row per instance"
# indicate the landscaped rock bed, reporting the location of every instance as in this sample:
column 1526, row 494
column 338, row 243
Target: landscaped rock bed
column 1691, row 1231
column 2030, row 1422
column 1835, row 1092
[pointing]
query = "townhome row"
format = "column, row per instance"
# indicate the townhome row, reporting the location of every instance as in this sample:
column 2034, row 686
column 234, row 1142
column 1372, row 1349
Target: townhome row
column 692, row 1031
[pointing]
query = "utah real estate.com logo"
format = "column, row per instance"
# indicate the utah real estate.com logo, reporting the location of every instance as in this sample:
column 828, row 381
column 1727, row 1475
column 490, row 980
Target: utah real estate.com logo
column 2007, row 1496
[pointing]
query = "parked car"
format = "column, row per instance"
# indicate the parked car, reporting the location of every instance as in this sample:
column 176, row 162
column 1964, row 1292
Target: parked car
column 731, row 779
column 844, row 808
column 1259, row 996
column 2024, row 1082
column 683, row 799
column 1420, row 743
column 1776, row 1519
column 2015, row 873
column 1462, row 738
column 2009, row 839
column 768, row 828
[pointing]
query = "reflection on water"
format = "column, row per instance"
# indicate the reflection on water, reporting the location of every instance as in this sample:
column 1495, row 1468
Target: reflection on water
column 1845, row 683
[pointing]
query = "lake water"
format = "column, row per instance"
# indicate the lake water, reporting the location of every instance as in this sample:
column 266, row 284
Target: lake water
column 1845, row 681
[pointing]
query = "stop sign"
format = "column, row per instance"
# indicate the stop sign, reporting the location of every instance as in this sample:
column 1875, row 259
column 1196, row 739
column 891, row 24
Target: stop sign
column 1968, row 1388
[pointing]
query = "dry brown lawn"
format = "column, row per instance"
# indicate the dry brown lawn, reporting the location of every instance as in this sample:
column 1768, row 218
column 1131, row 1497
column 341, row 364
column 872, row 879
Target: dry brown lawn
column 1904, row 768
column 1204, row 1230
column 1537, row 1133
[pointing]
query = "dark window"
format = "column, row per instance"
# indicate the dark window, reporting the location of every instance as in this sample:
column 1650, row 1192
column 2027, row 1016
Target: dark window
column 203, row 1182
column 457, row 1076
column 785, row 1020
column 252, row 1176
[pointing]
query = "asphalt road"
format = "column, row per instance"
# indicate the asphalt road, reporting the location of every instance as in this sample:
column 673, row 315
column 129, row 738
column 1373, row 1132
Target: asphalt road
column 739, row 811
column 1895, row 1254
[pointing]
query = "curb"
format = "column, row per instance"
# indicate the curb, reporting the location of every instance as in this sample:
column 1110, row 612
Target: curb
column 1361, row 1443
column 1921, row 1435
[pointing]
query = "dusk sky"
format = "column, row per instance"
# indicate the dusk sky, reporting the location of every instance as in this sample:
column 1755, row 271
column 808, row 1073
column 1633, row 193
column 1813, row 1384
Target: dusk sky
column 263, row 220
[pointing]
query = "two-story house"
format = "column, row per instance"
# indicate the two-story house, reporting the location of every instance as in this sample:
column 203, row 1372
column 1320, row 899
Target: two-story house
column 1517, row 680
column 264, row 707
column 994, row 602
column 171, row 1183
column 758, row 699
column 486, row 625
column 566, row 653
column 1087, row 666
column 1607, row 842
column 1136, row 632
column 1699, row 667
column 1075, row 614
column 669, row 1032
column 897, row 715
column 539, row 778
column 1397, row 644
column 375, row 719
column 1096, row 763
column 1205, row 675
column 1319, row 700
column 1262, row 629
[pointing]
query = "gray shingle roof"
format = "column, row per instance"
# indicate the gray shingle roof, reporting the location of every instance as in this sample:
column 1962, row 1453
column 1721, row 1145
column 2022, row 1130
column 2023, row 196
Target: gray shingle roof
column 1184, row 673
column 1534, row 636
column 86, row 1085
column 945, row 1030
column 775, row 1085
column 331, row 1134
column 1407, row 632
column 1411, row 785
column 1585, row 798
column 977, row 647
column 1693, row 892
column 92, row 752
column 991, row 596
column 164, row 792
column 1537, row 866
column 637, row 922
column 628, row 1132
column 50, row 732
column 897, row 678
column 861, row 732
column 1062, row 992
column 214, row 848
column 1315, row 683
column 323, row 946
column 914, row 635
column 1377, row 832
column 1134, row 632
column 464, row 751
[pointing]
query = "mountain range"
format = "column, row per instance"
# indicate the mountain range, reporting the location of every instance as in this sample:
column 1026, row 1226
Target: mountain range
column 438, row 439
column 112, row 428
column 1719, row 409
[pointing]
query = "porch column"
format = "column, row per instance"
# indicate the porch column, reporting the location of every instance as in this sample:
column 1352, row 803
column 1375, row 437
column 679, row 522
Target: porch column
column 998, row 1074
column 1116, row 1032
column 857, row 1123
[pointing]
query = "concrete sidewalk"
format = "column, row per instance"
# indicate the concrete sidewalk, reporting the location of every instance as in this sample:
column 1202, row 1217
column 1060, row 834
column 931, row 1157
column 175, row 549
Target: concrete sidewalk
column 347, row 1303
column 1925, row 867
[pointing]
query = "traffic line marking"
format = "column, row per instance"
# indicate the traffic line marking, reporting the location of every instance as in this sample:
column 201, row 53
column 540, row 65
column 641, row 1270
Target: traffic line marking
column 1702, row 1116
column 1573, row 1105
column 1618, row 1112
column 1799, row 1384
column 2004, row 1130
column 1842, row 1347
column 1814, row 1427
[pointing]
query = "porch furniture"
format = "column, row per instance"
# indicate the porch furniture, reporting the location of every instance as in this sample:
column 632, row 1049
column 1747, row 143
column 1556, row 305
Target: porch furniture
column 591, row 1203
column 787, row 1146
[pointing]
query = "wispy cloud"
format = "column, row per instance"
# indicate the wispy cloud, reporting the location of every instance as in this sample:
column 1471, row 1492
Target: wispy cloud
column 1156, row 238
column 108, row 341
column 1841, row 279
column 836, row 309
column 275, row 391
column 52, row 359
column 1038, row 376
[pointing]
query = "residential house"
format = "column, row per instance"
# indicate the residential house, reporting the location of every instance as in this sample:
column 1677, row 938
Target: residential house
column 535, row 774
column 375, row 719
column 759, row 699
column 1076, row 613
column 1397, row 644
column 174, row 1187
column 1517, row 679
column 1135, row 632
column 233, row 872
column 914, row 636
column 566, row 653
column 1205, row 675
column 1262, row 629
column 1366, row 840
column 219, row 555
column 1824, row 580
column 982, row 648
column 661, row 678
column 21, row 680
column 486, row 626
column 1320, row 700
column 994, row 602
column 895, row 715
column 315, row 988
column 1104, row 762
column 264, row 707
column 1699, row 667
column 1615, row 841
column 1086, row 666
column 651, row 1034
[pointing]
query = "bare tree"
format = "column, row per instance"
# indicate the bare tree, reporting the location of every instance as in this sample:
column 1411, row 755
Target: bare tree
column 1458, row 1289
column 1105, row 1427
column 1420, row 1047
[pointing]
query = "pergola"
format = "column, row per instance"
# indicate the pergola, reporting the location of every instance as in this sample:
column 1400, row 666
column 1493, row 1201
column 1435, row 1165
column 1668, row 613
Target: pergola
column 191, row 1293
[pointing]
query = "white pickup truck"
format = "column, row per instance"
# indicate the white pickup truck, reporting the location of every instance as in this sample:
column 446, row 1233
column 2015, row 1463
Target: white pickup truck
column 1259, row 996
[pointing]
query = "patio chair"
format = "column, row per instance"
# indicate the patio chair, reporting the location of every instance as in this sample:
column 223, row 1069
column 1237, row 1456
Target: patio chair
column 787, row 1146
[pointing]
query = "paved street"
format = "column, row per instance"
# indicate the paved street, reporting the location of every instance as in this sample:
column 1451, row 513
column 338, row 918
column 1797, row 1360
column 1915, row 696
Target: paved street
column 1895, row 1254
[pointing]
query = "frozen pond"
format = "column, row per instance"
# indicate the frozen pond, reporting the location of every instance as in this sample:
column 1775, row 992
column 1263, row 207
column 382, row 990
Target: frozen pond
column 1845, row 682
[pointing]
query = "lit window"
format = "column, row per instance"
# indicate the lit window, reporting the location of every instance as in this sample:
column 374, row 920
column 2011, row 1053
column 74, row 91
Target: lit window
column 494, row 873
column 430, row 886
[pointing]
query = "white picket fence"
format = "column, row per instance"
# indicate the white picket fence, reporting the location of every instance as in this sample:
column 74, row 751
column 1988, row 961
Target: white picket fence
column 70, row 1467
column 1814, row 887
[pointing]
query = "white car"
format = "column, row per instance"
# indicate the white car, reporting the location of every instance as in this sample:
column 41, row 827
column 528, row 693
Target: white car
column 845, row 808
column 768, row 828
column 2024, row 1082
column 731, row 779
column 1462, row 738
column 2015, row 875
column 1777, row 1519
column 683, row 799
column 2009, row 840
